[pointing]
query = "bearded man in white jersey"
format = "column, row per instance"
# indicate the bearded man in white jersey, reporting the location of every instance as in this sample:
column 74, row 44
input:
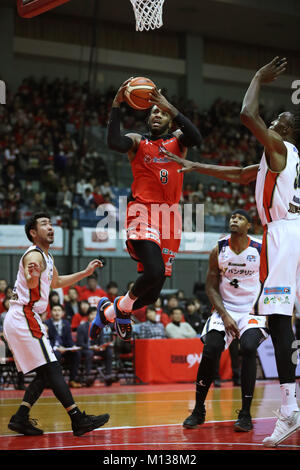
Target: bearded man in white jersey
column 232, row 284
column 26, row 335
column 278, row 204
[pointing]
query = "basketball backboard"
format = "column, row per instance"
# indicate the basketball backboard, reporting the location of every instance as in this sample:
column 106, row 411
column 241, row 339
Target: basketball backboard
column 31, row 8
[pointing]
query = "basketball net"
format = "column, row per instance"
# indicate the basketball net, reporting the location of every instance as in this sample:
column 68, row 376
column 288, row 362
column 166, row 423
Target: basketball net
column 148, row 14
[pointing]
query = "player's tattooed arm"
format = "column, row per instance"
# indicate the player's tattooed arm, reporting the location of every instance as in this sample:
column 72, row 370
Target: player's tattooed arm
column 213, row 293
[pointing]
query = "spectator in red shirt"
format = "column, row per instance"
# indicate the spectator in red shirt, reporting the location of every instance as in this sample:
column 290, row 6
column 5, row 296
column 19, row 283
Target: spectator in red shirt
column 3, row 286
column 93, row 292
column 161, row 316
column 81, row 316
column 98, row 197
column 80, row 290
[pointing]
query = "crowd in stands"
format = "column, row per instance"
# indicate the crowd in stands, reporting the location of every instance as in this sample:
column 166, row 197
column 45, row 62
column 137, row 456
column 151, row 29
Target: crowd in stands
column 71, row 310
column 48, row 162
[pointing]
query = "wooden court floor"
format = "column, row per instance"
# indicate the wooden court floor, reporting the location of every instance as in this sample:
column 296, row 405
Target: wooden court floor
column 147, row 417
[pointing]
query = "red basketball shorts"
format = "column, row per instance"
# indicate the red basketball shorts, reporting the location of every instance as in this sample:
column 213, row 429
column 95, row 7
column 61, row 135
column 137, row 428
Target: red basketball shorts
column 159, row 223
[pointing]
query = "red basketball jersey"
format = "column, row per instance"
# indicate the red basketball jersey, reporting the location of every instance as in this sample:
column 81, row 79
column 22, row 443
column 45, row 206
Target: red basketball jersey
column 155, row 177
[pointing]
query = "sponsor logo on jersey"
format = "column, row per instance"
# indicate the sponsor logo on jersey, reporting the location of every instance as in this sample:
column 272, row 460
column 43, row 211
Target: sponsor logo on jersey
column 277, row 290
column 161, row 160
column 277, row 300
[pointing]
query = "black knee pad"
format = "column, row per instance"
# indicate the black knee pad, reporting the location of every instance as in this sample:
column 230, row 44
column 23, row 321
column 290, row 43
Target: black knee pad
column 214, row 344
column 250, row 341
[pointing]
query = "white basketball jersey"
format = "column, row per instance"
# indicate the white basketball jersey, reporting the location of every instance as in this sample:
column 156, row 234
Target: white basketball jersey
column 275, row 192
column 35, row 299
column 239, row 275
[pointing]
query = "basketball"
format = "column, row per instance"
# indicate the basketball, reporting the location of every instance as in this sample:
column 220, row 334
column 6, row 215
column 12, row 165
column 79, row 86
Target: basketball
column 137, row 93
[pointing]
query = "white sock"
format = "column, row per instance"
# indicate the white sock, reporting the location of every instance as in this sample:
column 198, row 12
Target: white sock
column 126, row 304
column 110, row 313
column 288, row 399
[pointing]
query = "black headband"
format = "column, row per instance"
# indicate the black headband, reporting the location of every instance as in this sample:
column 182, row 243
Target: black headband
column 244, row 213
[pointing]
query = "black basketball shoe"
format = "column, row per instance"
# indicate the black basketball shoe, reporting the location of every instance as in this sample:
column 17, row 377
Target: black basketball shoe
column 24, row 425
column 244, row 422
column 197, row 417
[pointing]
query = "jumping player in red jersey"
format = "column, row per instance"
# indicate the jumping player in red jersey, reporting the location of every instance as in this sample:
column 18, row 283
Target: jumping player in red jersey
column 153, row 221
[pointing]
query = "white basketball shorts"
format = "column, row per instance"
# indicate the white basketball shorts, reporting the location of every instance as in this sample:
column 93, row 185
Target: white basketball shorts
column 279, row 268
column 26, row 336
column 243, row 321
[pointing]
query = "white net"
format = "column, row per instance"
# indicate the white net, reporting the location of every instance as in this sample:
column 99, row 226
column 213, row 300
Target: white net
column 148, row 14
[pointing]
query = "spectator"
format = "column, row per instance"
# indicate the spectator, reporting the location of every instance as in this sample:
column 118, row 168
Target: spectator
column 37, row 204
column 106, row 189
column 172, row 302
column 81, row 316
column 161, row 316
column 53, row 300
column 102, row 346
column 5, row 307
column 60, row 337
column 88, row 201
column 178, row 328
column 93, row 292
column 98, row 197
column 64, row 198
column 181, row 299
column 193, row 317
column 8, row 291
column 72, row 305
column 3, row 286
column 151, row 329
column 112, row 290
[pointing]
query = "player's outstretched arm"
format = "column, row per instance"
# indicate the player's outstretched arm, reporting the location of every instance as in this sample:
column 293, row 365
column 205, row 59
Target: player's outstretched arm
column 250, row 117
column 232, row 174
column 213, row 293
column 70, row 279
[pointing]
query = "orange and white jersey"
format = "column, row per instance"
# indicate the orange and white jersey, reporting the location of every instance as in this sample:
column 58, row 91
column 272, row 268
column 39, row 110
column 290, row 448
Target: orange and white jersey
column 276, row 192
column 36, row 300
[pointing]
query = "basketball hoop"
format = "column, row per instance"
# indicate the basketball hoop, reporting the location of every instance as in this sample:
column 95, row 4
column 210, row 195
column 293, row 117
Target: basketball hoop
column 148, row 14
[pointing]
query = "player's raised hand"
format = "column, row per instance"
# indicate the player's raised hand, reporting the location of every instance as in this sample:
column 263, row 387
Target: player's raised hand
column 96, row 263
column 119, row 98
column 156, row 98
column 271, row 71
